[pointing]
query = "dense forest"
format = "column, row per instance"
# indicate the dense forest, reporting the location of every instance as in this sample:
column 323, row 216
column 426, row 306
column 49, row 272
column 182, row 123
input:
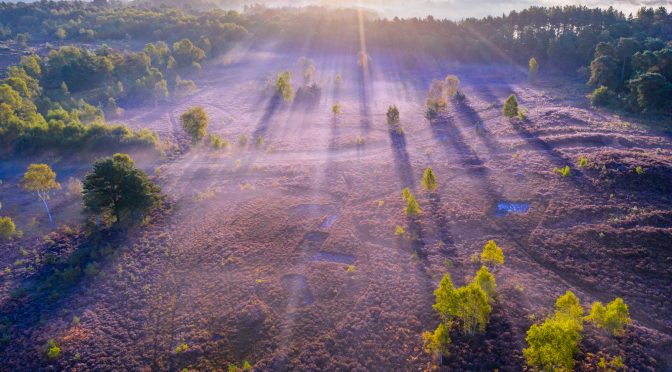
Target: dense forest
column 626, row 60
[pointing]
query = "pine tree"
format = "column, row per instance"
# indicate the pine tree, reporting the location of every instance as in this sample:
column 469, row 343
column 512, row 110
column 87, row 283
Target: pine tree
column 412, row 207
column 510, row 109
column 429, row 180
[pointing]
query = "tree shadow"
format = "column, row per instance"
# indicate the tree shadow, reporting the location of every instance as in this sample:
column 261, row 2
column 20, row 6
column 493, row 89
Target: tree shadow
column 450, row 138
column 441, row 221
column 364, row 87
column 470, row 117
column 271, row 108
column 68, row 262
column 402, row 160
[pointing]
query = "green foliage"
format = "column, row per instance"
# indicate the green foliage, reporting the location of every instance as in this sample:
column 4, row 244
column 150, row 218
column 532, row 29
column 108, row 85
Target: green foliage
column 565, row 171
column 612, row 317
column 486, row 281
column 405, row 193
column 187, row 54
column 283, row 86
column 7, row 228
column 116, row 188
column 399, row 231
column 195, row 122
column 429, row 180
column 412, row 208
column 469, row 305
column 510, row 109
column 533, row 70
column 40, row 179
column 492, row 254
column 601, row 96
column 652, row 91
column 436, row 343
column 604, row 72
column 51, row 350
column 582, row 162
column 392, row 115
column 183, row 87
column 553, row 343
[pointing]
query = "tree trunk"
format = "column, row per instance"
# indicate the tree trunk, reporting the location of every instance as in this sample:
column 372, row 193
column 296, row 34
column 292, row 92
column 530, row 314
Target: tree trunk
column 623, row 72
column 44, row 201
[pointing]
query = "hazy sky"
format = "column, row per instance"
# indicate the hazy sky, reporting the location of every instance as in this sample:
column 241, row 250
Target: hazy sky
column 457, row 9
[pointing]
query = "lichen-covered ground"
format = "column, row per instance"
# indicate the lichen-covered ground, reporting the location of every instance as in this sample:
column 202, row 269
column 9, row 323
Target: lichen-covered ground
column 283, row 253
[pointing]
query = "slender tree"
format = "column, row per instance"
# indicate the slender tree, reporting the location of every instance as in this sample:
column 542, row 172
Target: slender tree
column 492, row 254
column 40, row 179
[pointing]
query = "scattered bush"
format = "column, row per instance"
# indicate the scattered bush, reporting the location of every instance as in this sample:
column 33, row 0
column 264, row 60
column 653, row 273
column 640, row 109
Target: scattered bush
column 392, row 115
column 243, row 141
column 7, row 228
column 510, row 109
column 399, row 231
column 195, row 122
column 217, row 142
column 612, row 317
column 51, row 350
column 336, row 109
column 183, row 87
column 582, row 162
column 452, row 84
column 566, row 171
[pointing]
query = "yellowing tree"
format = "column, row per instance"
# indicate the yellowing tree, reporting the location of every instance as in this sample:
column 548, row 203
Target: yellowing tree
column 492, row 254
column 437, row 342
column 429, row 180
column 40, row 179
column 612, row 317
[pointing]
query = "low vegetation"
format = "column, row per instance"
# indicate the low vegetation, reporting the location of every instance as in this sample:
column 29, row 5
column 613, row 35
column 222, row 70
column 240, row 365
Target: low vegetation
column 510, row 109
column 195, row 123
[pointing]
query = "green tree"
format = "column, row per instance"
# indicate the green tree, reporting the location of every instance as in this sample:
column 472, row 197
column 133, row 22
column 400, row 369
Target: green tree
column 429, row 180
column 604, row 72
column 553, row 343
column 195, row 123
column 613, row 317
column 486, row 281
column 469, row 305
column 284, row 86
column 492, row 254
column 115, row 188
column 40, row 179
column 7, row 228
column 625, row 49
column 187, row 54
column 510, row 109
column 412, row 207
column 437, row 342
column 652, row 91
column 533, row 70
